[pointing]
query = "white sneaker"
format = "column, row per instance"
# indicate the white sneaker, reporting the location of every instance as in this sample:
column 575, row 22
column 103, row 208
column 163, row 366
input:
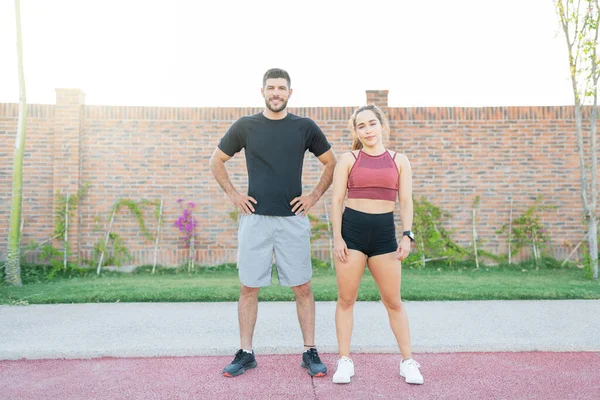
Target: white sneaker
column 345, row 370
column 409, row 370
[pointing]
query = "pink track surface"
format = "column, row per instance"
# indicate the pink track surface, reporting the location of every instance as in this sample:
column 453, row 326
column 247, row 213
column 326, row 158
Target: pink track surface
column 447, row 376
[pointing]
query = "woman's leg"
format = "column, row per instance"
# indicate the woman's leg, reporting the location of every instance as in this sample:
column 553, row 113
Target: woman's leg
column 348, row 277
column 387, row 272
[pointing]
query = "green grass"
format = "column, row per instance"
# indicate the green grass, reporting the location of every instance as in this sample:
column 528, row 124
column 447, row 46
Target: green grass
column 436, row 282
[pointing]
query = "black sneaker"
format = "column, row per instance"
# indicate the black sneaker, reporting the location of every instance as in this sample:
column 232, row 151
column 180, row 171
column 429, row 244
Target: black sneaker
column 312, row 363
column 240, row 363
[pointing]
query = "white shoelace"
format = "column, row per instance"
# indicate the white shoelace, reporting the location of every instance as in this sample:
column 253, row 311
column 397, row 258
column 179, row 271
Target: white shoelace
column 412, row 362
column 345, row 360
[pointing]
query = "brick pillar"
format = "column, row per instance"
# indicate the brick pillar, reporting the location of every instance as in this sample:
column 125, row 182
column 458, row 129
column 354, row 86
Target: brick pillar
column 68, row 120
column 378, row 97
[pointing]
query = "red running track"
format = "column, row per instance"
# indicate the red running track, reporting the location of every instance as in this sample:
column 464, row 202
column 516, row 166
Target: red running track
column 532, row 375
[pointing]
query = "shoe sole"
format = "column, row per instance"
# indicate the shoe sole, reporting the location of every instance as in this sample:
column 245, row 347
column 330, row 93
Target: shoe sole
column 344, row 382
column 314, row 374
column 412, row 383
column 253, row 364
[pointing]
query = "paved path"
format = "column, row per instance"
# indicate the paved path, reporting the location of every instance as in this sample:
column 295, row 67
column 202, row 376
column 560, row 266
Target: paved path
column 192, row 329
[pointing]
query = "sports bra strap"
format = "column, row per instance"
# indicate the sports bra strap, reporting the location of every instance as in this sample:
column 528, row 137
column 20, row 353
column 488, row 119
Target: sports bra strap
column 394, row 157
column 356, row 158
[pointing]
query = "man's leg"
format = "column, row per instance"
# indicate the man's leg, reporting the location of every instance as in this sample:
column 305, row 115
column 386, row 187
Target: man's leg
column 247, row 312
column 305, row 307
column 294, row 268
column 255, row 252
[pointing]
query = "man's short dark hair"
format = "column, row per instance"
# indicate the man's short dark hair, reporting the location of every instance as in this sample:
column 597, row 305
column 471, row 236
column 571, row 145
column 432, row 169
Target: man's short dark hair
column 275, row 73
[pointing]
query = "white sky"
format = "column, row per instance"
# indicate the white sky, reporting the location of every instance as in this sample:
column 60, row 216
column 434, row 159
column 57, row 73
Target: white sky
column 214, row 52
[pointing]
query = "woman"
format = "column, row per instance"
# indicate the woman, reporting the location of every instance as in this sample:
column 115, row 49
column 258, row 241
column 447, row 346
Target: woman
column 364, row 233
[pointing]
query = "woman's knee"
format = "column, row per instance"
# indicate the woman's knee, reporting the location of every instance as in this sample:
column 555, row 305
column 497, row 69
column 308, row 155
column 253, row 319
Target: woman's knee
column 394, row 304
column 346, row 302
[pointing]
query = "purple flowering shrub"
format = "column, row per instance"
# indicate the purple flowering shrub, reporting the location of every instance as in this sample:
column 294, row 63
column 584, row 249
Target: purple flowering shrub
column 186, row 221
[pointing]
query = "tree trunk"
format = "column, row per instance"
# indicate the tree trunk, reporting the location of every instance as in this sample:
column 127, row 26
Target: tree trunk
column 593, row 245
column 582, row 45
column 422, row 243
column 13, row 254
column 593, row 221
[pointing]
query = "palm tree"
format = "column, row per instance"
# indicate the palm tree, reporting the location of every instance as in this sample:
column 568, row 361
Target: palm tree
column 13, row 256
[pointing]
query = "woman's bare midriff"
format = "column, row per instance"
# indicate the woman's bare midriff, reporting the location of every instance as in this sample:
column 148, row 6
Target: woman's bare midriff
column 371, row 206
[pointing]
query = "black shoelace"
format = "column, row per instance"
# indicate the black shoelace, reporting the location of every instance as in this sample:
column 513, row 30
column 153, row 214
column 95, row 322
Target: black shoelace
column 314, row 356
column 238, row 357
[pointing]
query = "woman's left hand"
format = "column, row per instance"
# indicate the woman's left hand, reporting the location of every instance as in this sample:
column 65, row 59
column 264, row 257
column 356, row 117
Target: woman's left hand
column 403, row 248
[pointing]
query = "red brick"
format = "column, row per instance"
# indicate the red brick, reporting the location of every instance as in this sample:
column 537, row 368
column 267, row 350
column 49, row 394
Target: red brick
column 457, row 153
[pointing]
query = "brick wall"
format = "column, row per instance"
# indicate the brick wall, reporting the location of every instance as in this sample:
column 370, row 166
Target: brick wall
column 38, row 170
column 156, row 153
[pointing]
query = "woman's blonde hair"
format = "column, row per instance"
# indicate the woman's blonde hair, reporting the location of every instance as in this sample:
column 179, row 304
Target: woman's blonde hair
column 385, row 125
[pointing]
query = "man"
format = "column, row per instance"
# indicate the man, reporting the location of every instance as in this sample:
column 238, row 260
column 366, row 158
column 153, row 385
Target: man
column 274, row 211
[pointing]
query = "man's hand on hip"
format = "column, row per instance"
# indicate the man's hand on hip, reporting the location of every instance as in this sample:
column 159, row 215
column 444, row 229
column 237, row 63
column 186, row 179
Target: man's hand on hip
column 244, row 203
column 302, row 204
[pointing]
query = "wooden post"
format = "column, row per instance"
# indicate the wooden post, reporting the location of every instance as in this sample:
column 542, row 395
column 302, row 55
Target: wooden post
column 112, row 218
column 157, row 235
column 475, row 241
column 574, row 250
column 192, row 244
column 191, row 255
column 330, row 234
column 510, row 231
column 66, row 244
column 423, row 261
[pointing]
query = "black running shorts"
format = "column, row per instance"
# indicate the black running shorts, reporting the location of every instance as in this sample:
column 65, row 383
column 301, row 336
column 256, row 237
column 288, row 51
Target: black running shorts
column 371, row 234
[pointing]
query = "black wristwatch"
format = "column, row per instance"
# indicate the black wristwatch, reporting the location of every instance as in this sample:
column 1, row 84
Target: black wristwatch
column 410, row 235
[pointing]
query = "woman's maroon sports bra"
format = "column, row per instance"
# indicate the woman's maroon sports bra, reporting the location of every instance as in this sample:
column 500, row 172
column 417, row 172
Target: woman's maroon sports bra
column 373, row 177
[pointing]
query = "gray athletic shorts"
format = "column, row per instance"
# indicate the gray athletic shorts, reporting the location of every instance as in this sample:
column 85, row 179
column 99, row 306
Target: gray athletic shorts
column 261, row 236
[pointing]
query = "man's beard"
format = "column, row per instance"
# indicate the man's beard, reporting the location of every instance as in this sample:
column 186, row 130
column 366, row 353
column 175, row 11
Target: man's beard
column 280, row 108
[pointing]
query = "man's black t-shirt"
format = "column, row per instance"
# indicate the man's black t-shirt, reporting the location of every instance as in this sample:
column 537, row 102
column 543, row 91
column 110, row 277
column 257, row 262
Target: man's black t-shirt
column 274, row 157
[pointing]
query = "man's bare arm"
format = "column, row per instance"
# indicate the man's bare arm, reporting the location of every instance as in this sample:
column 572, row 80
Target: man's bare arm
column 217, row 166
column 302, row 204
column 329, row 161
